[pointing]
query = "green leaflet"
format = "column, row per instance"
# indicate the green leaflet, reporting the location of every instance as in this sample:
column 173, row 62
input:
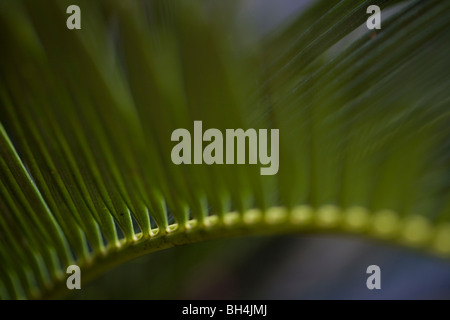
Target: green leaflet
column 86, row 117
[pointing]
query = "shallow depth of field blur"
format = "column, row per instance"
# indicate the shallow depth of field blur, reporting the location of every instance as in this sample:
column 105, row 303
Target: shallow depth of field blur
column 282, row 267
column 279, row 267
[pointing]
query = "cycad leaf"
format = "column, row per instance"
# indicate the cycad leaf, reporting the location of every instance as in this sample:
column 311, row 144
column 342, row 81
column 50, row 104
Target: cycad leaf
column 87, row 115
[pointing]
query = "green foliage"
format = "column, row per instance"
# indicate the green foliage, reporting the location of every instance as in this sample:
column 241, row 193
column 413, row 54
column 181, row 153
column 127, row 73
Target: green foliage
column 86, row 118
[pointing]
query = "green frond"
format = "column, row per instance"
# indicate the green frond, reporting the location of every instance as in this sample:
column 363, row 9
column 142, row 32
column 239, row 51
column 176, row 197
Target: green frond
column 86, row 118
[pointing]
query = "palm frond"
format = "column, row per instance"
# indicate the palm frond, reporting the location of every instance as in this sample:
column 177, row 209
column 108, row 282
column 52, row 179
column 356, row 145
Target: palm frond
column 86, row 117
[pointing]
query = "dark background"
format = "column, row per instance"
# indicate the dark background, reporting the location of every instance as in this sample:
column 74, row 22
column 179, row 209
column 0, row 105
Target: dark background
column 279, row 267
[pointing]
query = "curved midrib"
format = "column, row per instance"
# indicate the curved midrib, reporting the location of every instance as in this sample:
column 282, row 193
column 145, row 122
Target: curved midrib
column 412, row 231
